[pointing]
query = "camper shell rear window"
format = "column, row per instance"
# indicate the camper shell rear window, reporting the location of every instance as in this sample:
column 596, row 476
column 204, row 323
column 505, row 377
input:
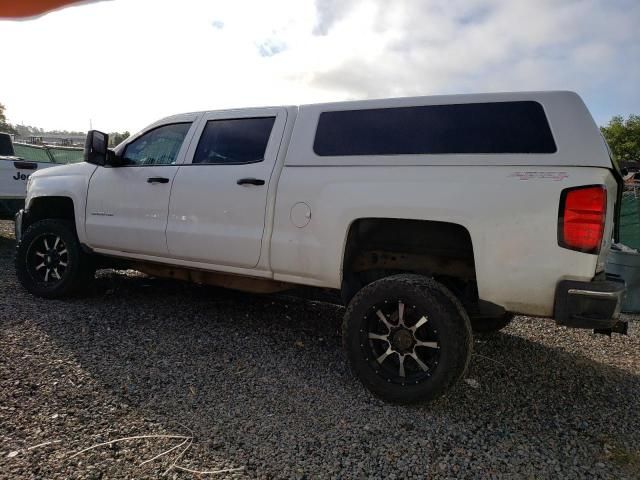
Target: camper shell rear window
column 469, row 128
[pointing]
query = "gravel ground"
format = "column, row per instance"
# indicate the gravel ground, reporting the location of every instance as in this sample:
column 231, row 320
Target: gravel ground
column 260, row 383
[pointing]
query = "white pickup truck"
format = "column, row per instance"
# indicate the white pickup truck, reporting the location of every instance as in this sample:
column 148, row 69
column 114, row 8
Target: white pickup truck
column 432, row 216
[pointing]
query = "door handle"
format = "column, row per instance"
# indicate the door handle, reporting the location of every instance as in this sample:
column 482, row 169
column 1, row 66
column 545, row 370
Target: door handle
column 250, row 181
column 26, row 165
column 157, row 180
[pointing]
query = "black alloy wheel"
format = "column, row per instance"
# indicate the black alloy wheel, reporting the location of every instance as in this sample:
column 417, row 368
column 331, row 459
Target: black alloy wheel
column 407, row 338
column 399, row 342
column 47, row 259
column 50, row 261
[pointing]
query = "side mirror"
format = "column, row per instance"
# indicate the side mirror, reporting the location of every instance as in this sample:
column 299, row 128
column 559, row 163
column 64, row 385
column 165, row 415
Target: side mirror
column 95, row 148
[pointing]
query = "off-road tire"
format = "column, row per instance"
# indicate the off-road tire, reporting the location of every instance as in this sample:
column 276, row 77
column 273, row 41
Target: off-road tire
column 491, row 324
column 78, row 271
column 421, row 297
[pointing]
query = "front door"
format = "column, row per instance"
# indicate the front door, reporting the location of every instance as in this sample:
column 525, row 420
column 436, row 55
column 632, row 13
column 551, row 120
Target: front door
column 219, row 196
column 127, row 205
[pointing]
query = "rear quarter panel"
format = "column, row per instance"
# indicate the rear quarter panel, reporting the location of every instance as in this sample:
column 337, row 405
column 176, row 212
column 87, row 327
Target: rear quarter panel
column 508, row 202
column 511, row 213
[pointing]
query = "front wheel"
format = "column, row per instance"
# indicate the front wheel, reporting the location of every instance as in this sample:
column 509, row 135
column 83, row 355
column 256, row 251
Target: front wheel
column 49, row 260
column 408, row 339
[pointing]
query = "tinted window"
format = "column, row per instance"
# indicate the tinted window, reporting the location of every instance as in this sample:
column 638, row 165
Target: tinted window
column 241, row 140
column 501, row 127
column 159, row 146
column 5, row 145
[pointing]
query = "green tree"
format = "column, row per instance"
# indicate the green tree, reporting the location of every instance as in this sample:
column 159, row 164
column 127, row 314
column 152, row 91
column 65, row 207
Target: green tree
column 4, row 125
column 623, row 137
column 116, row 138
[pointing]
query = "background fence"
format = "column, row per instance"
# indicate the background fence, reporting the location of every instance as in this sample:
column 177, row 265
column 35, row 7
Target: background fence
column 630, row 216
column 46, row 154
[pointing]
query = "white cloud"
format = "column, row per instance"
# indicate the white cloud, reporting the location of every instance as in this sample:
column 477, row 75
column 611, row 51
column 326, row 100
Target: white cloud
column 124, row 63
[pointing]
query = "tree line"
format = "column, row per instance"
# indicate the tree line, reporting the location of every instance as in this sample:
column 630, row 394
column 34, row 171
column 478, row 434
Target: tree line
column 26, row 131
column 623, row 137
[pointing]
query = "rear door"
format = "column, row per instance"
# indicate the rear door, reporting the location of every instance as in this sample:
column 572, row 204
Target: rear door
column 219, row 196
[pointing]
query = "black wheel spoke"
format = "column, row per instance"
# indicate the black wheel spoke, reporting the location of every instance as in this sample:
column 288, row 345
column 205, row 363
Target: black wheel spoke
column 377, row 336
column 419, row 323
column 420, row 363
column 386, row 353
column 400, row 312
column 420, row 343
column 384, row 320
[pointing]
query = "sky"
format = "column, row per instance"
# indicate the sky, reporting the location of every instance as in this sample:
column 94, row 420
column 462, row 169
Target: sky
column 122, row 64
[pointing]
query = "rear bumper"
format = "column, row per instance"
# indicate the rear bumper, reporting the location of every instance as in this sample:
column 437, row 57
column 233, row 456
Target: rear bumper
column 594, row 305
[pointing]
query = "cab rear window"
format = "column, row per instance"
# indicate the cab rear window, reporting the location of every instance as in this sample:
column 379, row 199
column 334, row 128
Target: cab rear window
column 470, row 128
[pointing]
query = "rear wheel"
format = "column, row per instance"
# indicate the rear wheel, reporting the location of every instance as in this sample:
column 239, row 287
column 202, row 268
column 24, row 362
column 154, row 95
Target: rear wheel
column 50, row 262
column 408, row 339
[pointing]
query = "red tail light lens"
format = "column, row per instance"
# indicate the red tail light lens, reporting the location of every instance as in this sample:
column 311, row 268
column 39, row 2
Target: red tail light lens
column 581, row 219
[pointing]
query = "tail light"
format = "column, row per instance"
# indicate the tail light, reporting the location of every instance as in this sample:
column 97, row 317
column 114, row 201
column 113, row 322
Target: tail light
column 581, row 218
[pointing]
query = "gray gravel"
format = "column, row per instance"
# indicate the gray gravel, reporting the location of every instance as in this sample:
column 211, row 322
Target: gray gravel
column 262, row 383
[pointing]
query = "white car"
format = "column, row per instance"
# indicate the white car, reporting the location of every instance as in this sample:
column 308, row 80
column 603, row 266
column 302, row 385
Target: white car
column 432, row 216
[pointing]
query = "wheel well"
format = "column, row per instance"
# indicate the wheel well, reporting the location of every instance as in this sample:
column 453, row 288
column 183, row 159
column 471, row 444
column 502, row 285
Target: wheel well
column 50, row 207
column 378, row 247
